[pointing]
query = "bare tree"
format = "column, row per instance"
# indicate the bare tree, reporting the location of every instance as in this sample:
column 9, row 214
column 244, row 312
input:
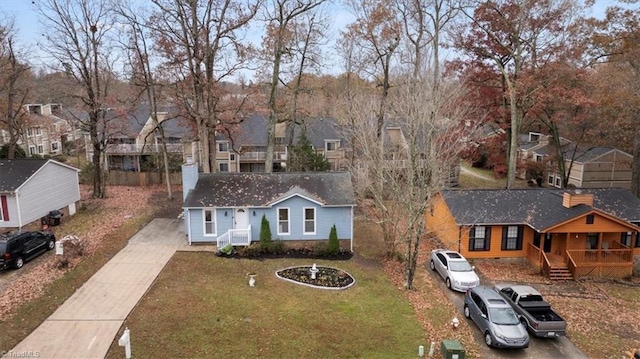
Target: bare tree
column 138, row 48
column 201, row 44
column 77, row 32
column 12, row 70
column 280, row 16
column 429, row 135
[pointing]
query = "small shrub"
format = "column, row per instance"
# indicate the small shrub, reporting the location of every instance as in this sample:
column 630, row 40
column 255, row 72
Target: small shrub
column 250, row 251
column 278, row 247
column 226, row 250
column 334, row 244
column 321, row 249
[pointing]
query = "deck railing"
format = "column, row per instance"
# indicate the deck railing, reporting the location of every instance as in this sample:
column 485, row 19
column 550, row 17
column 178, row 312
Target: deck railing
column 600, row 256
column 235, row 237
column 114, row 148
column 534, row 255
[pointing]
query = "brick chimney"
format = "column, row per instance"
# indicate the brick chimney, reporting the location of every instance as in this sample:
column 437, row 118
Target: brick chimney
column 574, row 198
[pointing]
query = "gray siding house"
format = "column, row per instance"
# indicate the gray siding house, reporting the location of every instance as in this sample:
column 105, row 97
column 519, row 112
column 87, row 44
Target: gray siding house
column 227, row 208
column 31, row 188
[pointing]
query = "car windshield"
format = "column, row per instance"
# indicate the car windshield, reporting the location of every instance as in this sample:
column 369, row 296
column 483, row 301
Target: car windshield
column 460, row 266
column 503, row 316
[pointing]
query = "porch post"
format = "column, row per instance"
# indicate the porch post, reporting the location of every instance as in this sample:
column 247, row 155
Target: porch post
column 599, row 246
column 541, row 250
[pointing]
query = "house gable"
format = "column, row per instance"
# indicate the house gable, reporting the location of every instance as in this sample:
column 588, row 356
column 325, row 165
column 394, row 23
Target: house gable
column 602, row 222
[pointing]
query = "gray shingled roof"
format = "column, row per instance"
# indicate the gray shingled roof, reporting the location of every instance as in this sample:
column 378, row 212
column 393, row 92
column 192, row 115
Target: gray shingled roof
column 263, row 189
column 540, row 208
column 13, row 173
column 591, row 154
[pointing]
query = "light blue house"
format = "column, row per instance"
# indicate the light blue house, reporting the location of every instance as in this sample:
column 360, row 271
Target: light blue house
column 228, row 207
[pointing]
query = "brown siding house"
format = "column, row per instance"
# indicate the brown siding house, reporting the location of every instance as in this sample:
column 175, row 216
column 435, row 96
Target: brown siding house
column 564, row 233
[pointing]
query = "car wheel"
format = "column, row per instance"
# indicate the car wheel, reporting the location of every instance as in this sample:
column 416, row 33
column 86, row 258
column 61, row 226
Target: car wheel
column 448, row 283
column 432, row 266
column 50, row 244
column 467, row 313
column 19, row 263
column 488, row 339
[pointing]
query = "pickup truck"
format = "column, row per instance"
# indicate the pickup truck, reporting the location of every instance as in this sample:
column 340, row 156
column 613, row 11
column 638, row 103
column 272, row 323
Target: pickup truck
column 535, row 313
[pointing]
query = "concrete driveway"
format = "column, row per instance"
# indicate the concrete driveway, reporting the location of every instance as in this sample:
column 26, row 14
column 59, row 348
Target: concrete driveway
column 86, row 324
column 539, row 348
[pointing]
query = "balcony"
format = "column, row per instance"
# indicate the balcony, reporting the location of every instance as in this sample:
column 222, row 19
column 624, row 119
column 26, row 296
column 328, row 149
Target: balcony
column 124, row 148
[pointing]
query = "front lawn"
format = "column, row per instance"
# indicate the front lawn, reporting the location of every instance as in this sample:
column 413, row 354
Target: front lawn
column 202, row 306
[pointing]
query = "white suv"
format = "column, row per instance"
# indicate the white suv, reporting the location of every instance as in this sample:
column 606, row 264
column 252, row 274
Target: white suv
column 457, row 273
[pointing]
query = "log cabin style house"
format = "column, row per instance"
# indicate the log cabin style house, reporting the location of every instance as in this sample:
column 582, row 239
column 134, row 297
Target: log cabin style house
column 567, row 234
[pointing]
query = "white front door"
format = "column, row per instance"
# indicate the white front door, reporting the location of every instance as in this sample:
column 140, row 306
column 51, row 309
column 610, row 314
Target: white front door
column 241, row 218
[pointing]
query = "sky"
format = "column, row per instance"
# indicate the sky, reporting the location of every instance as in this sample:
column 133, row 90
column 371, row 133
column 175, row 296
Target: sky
column 29, row 30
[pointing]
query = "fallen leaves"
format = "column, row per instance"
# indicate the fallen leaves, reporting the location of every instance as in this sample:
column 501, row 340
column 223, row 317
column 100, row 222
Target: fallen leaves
column 121, row 204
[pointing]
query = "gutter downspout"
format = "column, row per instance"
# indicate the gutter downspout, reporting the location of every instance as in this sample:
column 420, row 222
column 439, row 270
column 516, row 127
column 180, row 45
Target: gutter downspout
column 459, row 239
column 18, row 208
column 188, row 219
column 351, row 249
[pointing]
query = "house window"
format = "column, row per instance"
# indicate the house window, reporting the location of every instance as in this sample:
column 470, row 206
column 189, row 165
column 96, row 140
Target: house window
column 550, row 180
column 479, row 238
column 309, row 220
column 512, row 238
column 637, row 239
column 558, row 182
column 232, row 157
column 224, row 167
column 330, row 146
column 590, row 218
column 30, row 132
column 625, row 238
column 55, row 146
column 38, row 131
column 283, row 220
column 538, row 158
column 223, row 147
column 40, row 149
column 209, row 219
column 32, row 150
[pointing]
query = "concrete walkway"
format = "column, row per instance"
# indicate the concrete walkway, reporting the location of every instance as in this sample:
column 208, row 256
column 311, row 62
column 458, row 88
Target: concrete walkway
column 86, row 324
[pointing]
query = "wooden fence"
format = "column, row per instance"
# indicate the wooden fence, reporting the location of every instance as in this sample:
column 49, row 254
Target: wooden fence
column 132, row 178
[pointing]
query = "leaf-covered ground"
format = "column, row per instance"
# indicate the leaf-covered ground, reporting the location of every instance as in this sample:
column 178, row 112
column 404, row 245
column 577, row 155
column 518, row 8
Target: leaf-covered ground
column 96, row 219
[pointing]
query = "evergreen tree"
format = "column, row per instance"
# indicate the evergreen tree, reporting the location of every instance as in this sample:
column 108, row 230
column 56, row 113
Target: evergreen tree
column 334, row 244
column 303, row 158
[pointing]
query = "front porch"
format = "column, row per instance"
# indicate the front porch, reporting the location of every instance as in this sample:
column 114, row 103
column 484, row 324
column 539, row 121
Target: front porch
column 609, row 261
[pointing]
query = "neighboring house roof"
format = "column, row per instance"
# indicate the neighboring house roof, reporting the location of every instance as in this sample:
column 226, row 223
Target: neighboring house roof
column 266, row 189
column 596, row 152
column 252, row 131
column 14, row 173
column 540, row 208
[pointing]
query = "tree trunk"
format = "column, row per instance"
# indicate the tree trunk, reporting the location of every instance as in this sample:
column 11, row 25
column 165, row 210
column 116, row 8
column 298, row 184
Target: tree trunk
column 273, row 115
column 635, row 177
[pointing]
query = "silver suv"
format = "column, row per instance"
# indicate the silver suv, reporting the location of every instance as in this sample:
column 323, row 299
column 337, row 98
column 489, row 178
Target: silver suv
column 496, row 318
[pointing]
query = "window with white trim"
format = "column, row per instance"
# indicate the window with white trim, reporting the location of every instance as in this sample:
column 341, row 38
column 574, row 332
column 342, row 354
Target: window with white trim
column 550, row 180
column 55, row 146
column 38, row 131
column 232, row 157
column 40, row 149
column 309, row 220
column 223, row 147
column 30, row 132
column 209, row 222
column 32, row 150
column 558, row 182
column 283, row 221
column 224, row 167
column 330, row 145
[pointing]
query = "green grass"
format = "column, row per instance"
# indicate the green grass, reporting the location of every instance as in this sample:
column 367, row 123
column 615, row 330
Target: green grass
column 202, row 306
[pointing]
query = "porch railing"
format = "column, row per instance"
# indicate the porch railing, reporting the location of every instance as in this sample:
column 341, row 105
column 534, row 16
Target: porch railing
column 235, row 237
column 546, row 265
column 534, row 255
column 120, row 148
column 601, row 256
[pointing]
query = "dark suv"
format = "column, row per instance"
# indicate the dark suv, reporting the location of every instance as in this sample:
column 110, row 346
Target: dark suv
column 19, row 247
